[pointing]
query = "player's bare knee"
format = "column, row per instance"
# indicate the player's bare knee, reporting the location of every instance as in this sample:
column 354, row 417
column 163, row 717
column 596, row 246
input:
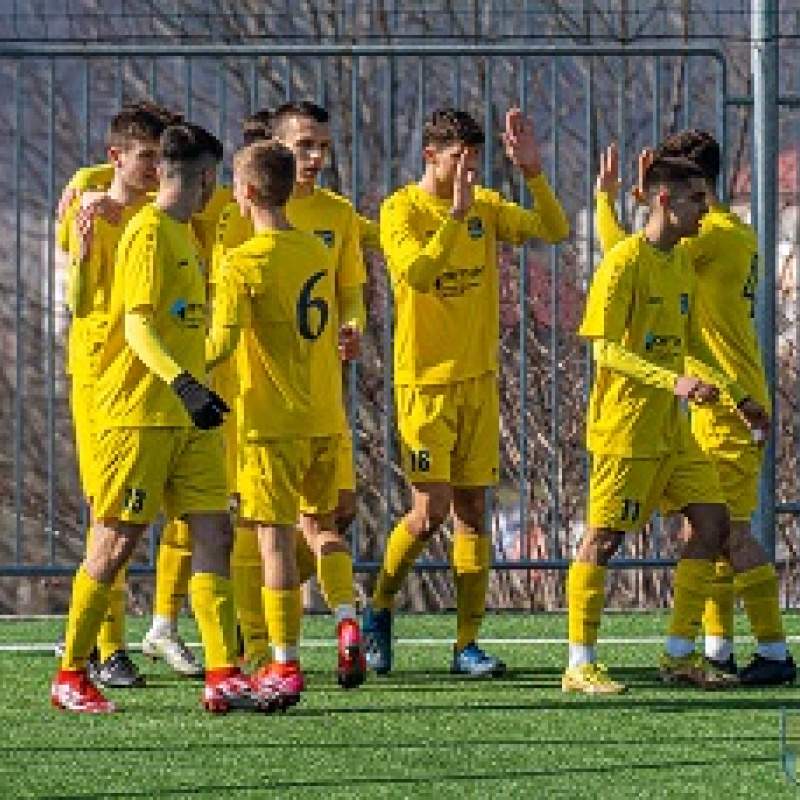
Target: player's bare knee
column 744, row 550
column 708, row 531
column 345, row 514
column 469, row 508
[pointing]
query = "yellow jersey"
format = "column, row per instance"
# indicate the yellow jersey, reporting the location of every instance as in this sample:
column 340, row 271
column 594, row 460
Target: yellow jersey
column 328, row 216
column 157, row 268
column 450, row 331
column 282, row 285
column 641, row 298
column 725, row 258
column 204, row 222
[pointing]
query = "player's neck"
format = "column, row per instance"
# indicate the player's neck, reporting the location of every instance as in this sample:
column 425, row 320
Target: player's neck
column 269, row 219
column 123, row 194
column 433, row 187
column 175, row 203
column 302, row 190
column 660, row 235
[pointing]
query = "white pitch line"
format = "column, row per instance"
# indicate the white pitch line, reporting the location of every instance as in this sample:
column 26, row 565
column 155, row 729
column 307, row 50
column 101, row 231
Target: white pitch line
column 44, row 647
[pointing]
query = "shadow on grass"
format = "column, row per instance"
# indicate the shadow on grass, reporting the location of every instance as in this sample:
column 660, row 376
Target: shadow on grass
column 423, row 780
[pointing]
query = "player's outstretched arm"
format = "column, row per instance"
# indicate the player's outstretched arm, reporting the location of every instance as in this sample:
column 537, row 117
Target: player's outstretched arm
column 230, row 312
column 546, row 220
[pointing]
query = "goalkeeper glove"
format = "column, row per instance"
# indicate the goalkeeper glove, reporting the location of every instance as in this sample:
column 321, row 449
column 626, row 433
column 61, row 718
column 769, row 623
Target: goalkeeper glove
column 204, row 406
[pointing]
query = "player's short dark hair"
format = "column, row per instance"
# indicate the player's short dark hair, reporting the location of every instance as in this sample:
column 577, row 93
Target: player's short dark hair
column 188, row 142
column 698, row 146
column 269, row 168
column 447, row 126
column 302, row 108
column 141, row 121
column 258, row 126
column 668, row 169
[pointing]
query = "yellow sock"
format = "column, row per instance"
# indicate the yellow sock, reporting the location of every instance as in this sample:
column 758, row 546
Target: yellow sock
column 471, row 562
column 759, row 590
column 692, row 579
column 212, row 603
column 86, row 611
column 111, row 636
column 585, row 600
column 247, row 577
column 718, row 613
column 402, row 550
column 283, row 609
column 335, row 575
column 306, row 560
column 173, row 570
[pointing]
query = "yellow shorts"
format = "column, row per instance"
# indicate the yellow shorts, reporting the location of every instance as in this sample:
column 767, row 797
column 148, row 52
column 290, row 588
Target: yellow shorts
column 139, row 471
column 451, row 433
column 624, row 492
column 738, row 468
column 82, row 404
column 280, row 478
column 345, row 464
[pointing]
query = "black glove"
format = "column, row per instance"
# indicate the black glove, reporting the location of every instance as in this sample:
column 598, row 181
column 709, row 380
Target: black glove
column 204, row 406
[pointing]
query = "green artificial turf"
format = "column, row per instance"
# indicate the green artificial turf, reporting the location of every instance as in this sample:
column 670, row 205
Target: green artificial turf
column 419, row 732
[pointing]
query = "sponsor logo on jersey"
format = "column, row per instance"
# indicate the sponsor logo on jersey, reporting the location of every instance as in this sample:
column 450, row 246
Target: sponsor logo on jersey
column 475, row 227
column 328, row 237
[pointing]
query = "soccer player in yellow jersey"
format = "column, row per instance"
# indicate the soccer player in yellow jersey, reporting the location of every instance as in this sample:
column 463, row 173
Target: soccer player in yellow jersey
column 642, row 319
column 305, row 129
column 440, row 238
column 278, row 290
column 90, row 240
column 174, row 560
column 154, row 440
column 724, row 255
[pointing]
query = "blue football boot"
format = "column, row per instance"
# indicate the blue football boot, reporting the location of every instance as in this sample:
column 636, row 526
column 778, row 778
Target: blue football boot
column 377, row 632
column 471, row 660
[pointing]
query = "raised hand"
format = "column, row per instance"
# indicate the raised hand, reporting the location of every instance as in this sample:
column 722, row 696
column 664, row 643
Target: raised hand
column 520, row 143
column 463, row 193
column 643, row 162
column 608, row 176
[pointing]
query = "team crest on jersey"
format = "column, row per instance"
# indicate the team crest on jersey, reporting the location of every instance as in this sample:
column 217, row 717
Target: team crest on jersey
column 475, row 227
column 684, row 303
column 328, row 237
column 179, row 309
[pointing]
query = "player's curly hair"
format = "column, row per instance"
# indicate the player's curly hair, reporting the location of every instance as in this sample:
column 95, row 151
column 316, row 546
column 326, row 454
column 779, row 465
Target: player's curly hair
column 258, row 126
column 268, row 167
column 696, row 145
column 447, row 126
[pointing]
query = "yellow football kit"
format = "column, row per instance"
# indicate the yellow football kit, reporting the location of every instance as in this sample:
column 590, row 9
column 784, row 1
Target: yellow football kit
column 334, row 221
column 204, row 222
column 158, row 273
column 445, row 280
column 643, row 454
column 724, row 255
column 279, row 289
column 89, row 291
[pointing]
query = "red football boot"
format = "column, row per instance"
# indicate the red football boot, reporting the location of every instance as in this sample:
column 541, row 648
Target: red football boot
column 352, row 669
column 280, row 685
column 229, row 689
column 73, row 691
